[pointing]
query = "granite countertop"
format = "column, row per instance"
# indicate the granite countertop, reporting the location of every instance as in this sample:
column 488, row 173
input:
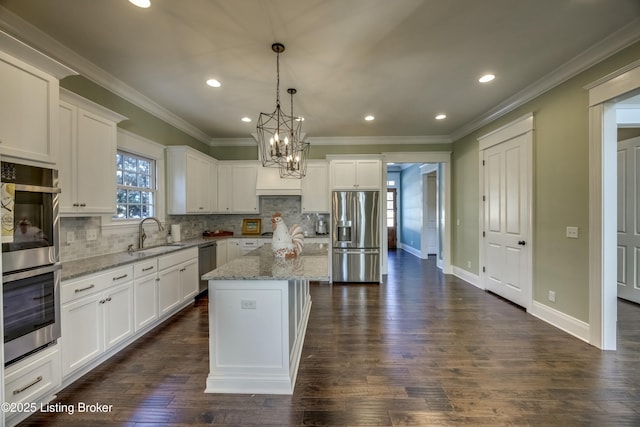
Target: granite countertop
column 261, row 264
column 81, row 267
column 96, row 264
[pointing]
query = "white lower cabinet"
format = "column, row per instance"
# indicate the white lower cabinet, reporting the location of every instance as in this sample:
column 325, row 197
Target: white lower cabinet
column 101, row 313
column 32, row 380
column 145, row 293
column 221, row 252
column 178, row 279
column 96, row 322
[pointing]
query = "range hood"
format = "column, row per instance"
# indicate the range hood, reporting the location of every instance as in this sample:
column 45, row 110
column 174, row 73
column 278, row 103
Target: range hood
column 269, row 183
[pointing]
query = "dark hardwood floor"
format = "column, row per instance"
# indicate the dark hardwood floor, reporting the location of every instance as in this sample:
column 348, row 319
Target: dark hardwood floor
column 421, row 350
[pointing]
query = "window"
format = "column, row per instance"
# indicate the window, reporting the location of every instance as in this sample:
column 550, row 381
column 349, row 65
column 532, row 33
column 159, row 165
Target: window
column 136, row 186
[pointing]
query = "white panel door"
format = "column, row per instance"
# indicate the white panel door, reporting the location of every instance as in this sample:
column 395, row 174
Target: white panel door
column 629, row 220
column 506, row 220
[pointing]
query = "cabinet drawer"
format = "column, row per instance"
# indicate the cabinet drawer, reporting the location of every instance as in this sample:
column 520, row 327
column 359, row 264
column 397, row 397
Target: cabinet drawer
column 95, row 283
column 178, row 257
column 143, row 268
column 34, row 377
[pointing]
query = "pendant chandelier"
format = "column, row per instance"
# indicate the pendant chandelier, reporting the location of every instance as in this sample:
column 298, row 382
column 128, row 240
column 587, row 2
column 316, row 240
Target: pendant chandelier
column 295, row 165
column 278, row 134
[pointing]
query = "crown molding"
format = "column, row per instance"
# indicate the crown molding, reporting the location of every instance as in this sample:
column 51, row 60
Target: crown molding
column 32, row 36
column 379, row 140
column 610, row 45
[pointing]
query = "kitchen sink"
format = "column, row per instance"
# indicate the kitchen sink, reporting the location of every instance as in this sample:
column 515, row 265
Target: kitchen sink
column 155, row 250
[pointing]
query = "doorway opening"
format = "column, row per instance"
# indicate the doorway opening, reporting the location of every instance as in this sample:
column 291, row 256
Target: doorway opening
column 603, row 252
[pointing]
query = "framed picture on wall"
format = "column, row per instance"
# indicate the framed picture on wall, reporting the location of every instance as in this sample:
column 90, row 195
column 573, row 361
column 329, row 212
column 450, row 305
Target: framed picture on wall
column 251, row 226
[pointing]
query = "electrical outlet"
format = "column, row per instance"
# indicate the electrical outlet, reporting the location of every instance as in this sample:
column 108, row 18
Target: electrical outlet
column 71, row 237
column 552, row 296
column 248, row 304
column 572, row 232
column 92, row 234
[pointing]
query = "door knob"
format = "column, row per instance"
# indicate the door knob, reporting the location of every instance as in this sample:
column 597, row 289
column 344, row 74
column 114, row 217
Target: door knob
column 522, row 242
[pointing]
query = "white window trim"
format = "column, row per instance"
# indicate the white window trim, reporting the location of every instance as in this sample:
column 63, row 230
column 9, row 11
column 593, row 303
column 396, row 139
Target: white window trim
column 140, row 146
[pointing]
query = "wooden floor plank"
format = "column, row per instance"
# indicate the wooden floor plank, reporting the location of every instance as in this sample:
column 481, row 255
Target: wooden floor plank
column 422, row 349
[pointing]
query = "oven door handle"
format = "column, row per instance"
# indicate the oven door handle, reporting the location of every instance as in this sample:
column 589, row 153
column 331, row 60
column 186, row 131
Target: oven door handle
column 37, row 188
column 12, row 277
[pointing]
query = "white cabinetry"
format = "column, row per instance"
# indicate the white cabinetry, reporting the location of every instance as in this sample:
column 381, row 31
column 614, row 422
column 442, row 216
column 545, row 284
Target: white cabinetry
column 237, row 187
column 358, row 174
column 243, row 196
column 315, row 188
column 233, row 249
column 103, row 312
column 178, row 279
column 97, row 314
column 221, row 252
column 145, row 293
column 28, row 111
column 86, row 164
column 189, row 178
column 32, row 379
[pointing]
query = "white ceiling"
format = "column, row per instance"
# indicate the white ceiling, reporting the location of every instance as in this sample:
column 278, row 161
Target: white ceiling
column 403, row 61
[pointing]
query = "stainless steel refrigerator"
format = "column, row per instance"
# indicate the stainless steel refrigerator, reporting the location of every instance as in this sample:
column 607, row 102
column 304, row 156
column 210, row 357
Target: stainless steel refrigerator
column 356, row 236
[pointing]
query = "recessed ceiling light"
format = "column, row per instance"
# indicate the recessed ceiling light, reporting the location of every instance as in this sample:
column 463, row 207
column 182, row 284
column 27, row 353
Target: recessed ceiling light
column 369, row 118
column 213, row 83
column 141, row 3
column 486, row 78
column 441, row 116
column 246, row 119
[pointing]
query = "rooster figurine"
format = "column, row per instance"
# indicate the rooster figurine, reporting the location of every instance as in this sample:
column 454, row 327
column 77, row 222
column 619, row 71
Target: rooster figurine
column 286, row 243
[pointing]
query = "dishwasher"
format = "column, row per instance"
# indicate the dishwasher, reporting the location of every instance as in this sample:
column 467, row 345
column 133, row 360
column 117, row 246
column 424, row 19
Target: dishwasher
column 206, row 263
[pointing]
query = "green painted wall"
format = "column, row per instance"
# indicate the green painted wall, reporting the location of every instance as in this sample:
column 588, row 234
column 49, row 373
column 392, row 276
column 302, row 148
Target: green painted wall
column 139, row 121
column 560, row 193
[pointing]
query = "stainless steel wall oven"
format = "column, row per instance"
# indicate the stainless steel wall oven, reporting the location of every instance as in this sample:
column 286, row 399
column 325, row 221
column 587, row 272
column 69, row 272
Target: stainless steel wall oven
column 30, row 258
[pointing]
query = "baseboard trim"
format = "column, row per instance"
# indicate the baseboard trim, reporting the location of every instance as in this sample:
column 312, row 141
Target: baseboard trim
column 411, row 250
column 562, row 321
column 467, row 276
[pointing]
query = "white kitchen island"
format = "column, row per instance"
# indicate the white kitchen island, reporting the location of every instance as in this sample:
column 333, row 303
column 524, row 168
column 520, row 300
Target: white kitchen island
column 258, row 311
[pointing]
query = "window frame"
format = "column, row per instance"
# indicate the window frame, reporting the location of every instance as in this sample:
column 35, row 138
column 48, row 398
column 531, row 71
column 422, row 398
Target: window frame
column 152, row 189
column 140, row 146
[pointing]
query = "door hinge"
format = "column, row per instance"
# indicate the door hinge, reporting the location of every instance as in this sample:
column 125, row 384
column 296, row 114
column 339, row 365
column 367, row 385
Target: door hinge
column 483, row 163
column 484, row 270
column 483, row 234
column 484, row 199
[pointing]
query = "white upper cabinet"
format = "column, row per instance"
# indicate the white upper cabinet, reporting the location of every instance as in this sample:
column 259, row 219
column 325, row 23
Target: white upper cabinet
column 237, row 187
column 87, row 156
column 28, row 112
column 356, row 174
column 315, row 187
column 189, row 181
column 243, row 195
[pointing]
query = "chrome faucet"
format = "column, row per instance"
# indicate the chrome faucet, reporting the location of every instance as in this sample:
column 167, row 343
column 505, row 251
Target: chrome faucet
column 141, row 232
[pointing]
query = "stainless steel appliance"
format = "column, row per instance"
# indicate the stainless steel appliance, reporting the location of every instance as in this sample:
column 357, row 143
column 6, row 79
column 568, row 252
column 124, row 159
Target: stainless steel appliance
column 206, row 262
column 356, row 236
column 31, row 268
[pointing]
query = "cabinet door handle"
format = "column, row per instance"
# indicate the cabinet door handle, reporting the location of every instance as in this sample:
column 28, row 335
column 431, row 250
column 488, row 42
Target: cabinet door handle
column 148, row 268
column 75, row 205
column 120, row 277
column 183, row 269
column 20, row 390
column 108, row 299
column 82, row 205
column 85, row 289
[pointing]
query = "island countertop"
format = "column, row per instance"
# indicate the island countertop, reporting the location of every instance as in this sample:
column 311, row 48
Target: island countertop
column 261, row 264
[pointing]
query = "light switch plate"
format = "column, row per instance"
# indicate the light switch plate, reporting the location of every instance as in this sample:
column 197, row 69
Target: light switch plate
column 572, row 232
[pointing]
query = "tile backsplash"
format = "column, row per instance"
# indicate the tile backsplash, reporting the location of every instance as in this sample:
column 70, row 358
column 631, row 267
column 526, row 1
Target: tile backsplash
column 112, row 240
